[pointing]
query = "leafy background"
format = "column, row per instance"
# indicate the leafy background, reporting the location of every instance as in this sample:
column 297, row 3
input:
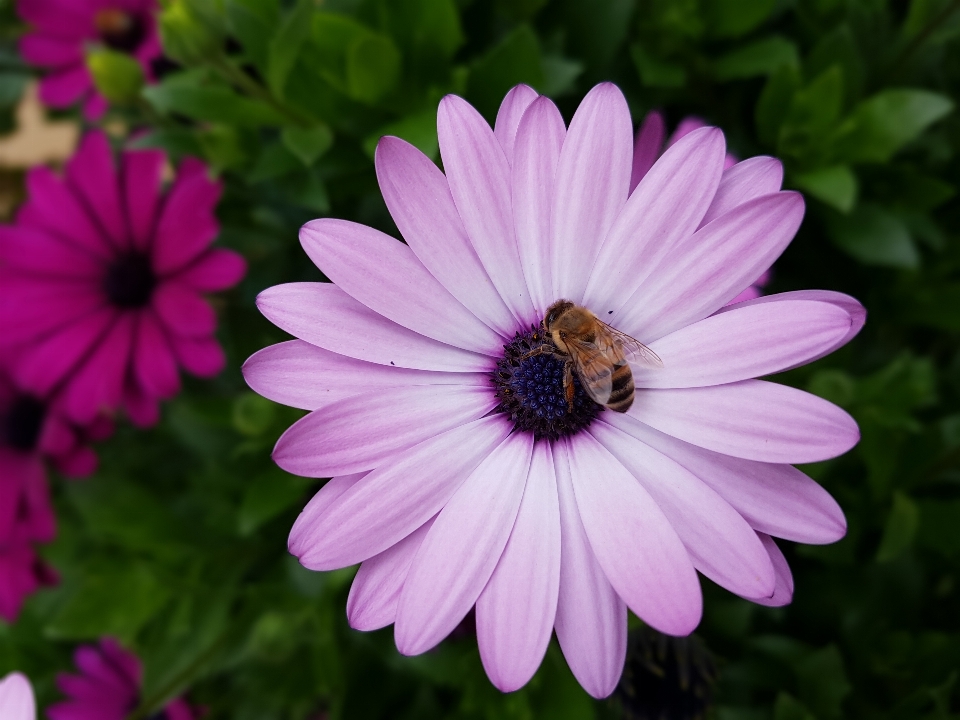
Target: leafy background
column 177, row 546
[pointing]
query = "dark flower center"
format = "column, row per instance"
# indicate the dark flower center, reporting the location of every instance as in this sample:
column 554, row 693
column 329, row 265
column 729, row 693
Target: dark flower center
column 22, row 423
column 119, row 29
column 130, row 281
column 530, row 390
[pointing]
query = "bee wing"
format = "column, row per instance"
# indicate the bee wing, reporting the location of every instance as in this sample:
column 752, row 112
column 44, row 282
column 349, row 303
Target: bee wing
column 594, row 369
column 625, row 348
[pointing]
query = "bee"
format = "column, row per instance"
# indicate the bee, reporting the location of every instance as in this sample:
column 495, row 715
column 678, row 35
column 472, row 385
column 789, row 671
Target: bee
column 598, row 353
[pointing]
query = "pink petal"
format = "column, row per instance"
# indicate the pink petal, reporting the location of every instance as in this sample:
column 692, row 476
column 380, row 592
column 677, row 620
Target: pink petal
column 592, row 185
column 79, row 463
column 386, row 276
column 752, row 419
column 461, row 550
column 98, row 384
column 94, row 107
column 479, row 176
column 591, row 620
column 375, row 592
column 187, row 224
column 56, row 17
column 63, row 88
column 517, row 608
column 142, row 181
column 746, row 342
column 684, row 128
column 142, row 409
column 92, row 177
column 720, row 542
column 360, row 432
column 647, row 146
column 39, row 252
column 301, row 375
column 51, row 52
column 154, row 365
column 775, row 499
column 635, row 545
column 33, row 307
column 217, row 269
column 16, row 698
column 662, row 212
column 514, row 105
column 324, row 315
column 52, row 206
column 536, row 154
column 783, row 592
column 183, row 310
column 201, row 356
column 752, row 178
column 706, row 270
column 419, row 199
column 395, row 499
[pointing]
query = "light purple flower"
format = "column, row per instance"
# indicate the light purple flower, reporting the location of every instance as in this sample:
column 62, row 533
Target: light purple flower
column 63, row 29
column 409, row 359
column 16, row 698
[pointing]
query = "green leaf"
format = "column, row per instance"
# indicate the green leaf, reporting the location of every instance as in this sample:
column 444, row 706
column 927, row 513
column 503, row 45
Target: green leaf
column 656, row 72
column 514, row 60
column 597, row 29
column 224, row 146
column 822, row 682
column 285, row 45
column 274, row 160
column 117, row 75
column 559, row 75
column 900, row 528
column 763, row 57
column 884, row 123
column 192, row 30
column 373, row 67
column 252, row 414
column 11, row 87
column 266, row 496
column 214, row 103
column 308, row 144
column 253, row 23
column 814, row 111
column 874, row 236
column 420, row 130
column 733, row 18
column 834, row 385
column 787, row 707
column 428, row 33
column 774, row 102
column 836, row 186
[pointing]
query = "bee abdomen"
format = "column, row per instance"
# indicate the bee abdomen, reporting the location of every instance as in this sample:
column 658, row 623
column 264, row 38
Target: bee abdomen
column 621, row 398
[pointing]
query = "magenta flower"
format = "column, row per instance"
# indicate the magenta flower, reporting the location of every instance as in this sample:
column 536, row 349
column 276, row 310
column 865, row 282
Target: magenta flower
column 107, row 687
column 16, row 698
column 460, row 476
column 64, row 28
column 103, row 281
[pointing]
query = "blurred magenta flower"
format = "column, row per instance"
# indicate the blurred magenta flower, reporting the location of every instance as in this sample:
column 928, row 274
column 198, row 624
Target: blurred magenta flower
column 460, row 478
column 16, row 698
column 103, row 280
column 107, row 687
column 64, row 28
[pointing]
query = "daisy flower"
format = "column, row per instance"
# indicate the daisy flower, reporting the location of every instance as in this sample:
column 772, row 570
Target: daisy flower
column 63, row 29
column 108, row 687
column 103, row 278
column 16, row 698
column 462, row 479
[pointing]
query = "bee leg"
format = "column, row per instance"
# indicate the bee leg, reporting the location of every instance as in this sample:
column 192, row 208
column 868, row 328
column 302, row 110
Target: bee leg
column 568, row 387
column 542, row 350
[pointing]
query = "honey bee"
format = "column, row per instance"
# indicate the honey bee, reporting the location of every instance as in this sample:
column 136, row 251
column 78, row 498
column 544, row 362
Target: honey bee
column 598, row 353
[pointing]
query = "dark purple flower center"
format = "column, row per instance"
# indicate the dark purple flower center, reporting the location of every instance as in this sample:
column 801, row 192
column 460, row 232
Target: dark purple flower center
column 119, row 29
column 130, row 280
column 22, row 423
column 530, row 391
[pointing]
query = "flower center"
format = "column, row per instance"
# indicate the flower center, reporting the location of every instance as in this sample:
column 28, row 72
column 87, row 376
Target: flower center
column 530, row 390
column 119, row 29
column 22, row 423
column 130, row 281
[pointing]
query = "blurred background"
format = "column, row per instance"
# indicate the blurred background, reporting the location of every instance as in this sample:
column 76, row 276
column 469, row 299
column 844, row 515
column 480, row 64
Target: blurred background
column 175, row 545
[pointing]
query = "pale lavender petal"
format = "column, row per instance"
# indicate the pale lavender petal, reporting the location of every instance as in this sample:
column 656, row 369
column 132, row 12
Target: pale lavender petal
column 360, row 432
column 647, row 146
column 747, row 342
column 592, row 184
column 752, row 419
column 419, row 200
column 720, row 542
column 462, row 548
column 775, row 499
column 517, row 608
column 307, row 521
column 856, row 311
column 324, row 315
column 633, row 541
column 385, row 275
column 783, row 592
column 536, row 153
column 479, row 177
column 752, row 178
column 304, row 376
column 662, row 212
column 595, row 649
column 396, row 498
column 706, row 270
column 514, row 105
column 375, row 592
column 16, row 698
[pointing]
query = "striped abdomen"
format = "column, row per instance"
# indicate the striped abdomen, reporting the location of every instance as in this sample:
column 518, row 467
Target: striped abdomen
column 621, row 396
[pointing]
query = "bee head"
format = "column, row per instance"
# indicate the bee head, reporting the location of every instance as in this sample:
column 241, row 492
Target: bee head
column 554, row 312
